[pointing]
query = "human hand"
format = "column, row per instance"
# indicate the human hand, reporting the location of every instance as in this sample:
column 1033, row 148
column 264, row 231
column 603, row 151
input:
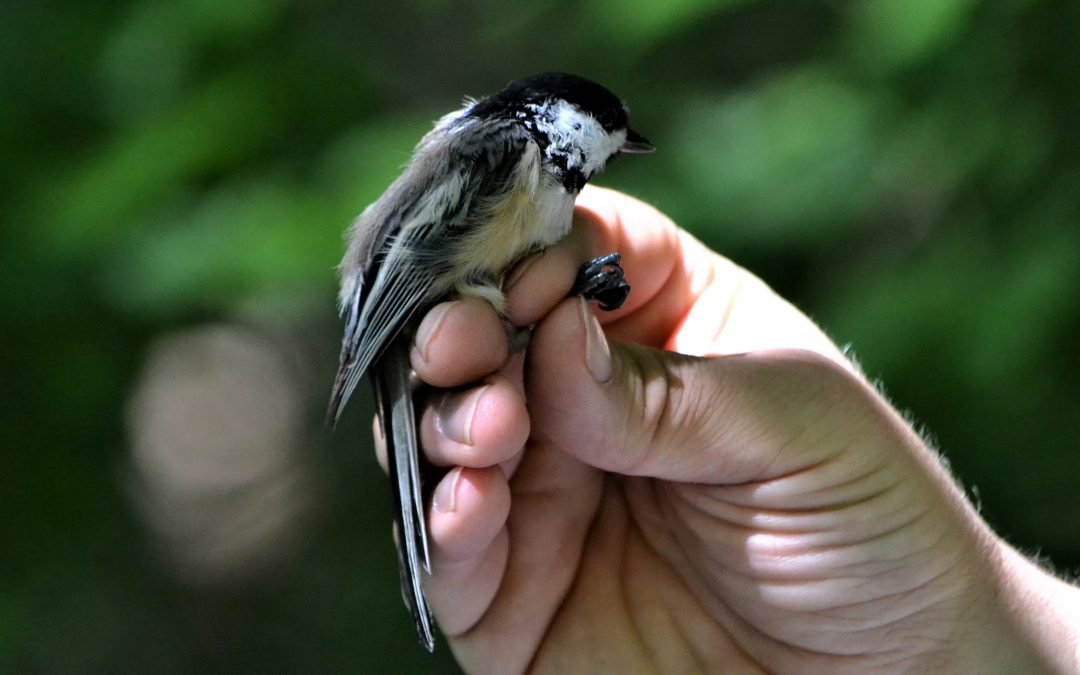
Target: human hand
column 743, row 501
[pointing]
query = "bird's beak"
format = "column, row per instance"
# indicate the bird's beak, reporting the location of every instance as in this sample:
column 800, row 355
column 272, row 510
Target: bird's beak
column 636, row 144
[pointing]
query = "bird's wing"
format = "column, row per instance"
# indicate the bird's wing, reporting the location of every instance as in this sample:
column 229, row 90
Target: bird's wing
column 397, row 291
column 399, row 249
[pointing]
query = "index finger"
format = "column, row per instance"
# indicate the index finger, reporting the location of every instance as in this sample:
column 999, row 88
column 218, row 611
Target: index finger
column 684, row 297
column 665, row 267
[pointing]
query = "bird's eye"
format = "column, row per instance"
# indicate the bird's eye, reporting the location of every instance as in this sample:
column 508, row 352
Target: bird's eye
column 577, row 126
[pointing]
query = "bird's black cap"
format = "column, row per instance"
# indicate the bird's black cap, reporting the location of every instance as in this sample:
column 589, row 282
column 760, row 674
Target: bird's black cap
column 585, row 94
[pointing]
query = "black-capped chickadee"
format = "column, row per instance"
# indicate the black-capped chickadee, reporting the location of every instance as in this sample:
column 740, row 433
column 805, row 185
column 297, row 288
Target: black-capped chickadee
column 488, row 185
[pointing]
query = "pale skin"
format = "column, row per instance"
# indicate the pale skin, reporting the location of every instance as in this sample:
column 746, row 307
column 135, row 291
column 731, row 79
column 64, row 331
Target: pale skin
column 748, row 504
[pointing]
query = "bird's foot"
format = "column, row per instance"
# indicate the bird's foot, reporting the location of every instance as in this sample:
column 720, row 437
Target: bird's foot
column 601, row 279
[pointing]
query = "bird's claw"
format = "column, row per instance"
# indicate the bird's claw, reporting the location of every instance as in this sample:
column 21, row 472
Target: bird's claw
column 601, row 279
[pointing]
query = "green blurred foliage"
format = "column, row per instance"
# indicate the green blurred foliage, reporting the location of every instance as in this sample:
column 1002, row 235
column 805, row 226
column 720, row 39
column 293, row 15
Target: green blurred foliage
column 907, row 172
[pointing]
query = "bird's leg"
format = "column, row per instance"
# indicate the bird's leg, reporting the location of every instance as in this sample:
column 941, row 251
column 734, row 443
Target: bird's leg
column 517, row 339
column 601, row 279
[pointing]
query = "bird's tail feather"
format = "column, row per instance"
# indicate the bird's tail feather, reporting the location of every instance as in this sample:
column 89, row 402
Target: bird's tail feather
column 397, row 416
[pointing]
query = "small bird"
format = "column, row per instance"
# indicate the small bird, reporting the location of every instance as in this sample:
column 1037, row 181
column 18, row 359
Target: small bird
column 490, row 184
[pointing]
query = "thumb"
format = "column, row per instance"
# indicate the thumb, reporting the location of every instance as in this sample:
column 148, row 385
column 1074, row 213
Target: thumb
column 638, row 411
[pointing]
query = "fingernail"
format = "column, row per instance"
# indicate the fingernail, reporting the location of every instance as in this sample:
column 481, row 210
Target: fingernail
column 445, row 498
column 456, row 413
column 597, row 351
column 520, row 269
column 428, row 328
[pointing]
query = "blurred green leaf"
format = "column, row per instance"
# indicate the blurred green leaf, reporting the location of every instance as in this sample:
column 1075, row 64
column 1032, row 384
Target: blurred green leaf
column 1032, row 292
column 638, row 23
column 256, row 233
column 232, row 22
column 891, row 34
column 146, row 61
column 225, row 121
column 781, row 163
column 233, row 242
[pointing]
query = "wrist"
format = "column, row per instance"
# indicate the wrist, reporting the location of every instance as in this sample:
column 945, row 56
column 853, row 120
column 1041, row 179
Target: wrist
column 1022, row 619
column 1040, row 610
column 1008, row 615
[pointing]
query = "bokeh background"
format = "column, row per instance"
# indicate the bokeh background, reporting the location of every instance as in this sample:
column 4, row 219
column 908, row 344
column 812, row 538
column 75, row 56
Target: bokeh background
column 176, row 176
